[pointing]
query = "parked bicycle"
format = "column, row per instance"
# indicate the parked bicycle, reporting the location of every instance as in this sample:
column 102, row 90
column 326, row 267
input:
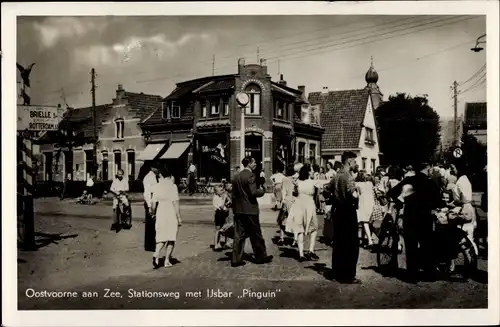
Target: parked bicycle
column 453, row 251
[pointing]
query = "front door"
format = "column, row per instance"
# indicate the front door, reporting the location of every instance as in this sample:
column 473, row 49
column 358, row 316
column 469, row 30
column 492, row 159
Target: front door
column 253, row 148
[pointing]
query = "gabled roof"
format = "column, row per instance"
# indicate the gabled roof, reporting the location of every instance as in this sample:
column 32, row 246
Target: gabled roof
column 205, row 84
column 476, row 113
column 143, row 104
column 342, row 116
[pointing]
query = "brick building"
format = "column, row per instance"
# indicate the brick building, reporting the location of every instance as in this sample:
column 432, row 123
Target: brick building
column 349, row 121
column 120, row 139
column 200, row 122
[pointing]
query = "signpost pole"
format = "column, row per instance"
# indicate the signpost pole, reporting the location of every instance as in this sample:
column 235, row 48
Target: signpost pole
column 28, row 224
column 242, row 136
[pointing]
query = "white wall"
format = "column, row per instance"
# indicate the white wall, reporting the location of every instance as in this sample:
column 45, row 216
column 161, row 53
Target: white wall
column 368, row 151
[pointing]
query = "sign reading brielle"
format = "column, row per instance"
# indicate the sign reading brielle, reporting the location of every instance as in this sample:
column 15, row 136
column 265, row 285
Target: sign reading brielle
column 38, row 118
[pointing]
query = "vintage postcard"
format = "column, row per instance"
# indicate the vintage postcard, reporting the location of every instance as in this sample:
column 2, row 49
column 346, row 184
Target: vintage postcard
column 250, row 163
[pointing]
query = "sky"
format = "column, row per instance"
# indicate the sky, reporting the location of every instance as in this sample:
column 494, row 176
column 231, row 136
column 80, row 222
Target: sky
column 412, row 54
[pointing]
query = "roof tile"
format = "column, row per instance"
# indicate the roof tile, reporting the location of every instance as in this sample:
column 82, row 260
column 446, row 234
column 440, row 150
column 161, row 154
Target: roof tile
column 342, row 115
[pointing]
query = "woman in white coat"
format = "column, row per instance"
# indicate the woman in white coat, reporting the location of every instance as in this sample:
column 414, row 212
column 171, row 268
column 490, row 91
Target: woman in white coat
column 165, row 209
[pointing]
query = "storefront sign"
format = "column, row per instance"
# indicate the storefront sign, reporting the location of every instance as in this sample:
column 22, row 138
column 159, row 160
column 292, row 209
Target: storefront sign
column 38, row 118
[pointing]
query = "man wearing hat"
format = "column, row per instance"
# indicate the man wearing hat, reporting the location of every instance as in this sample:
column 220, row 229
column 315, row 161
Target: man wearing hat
column 149, row 181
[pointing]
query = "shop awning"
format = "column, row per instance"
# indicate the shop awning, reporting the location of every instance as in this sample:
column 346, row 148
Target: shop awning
column 151, row 151
column 176, row 150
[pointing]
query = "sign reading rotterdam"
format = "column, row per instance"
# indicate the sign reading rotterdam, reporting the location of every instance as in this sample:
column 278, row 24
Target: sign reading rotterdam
column 38, row 118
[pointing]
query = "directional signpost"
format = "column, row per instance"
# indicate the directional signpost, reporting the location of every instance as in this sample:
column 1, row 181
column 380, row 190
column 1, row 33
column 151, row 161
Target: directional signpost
column 30, row 120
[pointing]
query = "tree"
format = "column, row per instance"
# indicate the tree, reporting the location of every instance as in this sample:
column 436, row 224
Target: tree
column 408, row 129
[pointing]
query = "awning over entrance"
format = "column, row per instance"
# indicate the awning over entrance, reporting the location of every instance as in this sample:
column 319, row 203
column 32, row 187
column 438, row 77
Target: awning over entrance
column 176, row 150
column 151, row 151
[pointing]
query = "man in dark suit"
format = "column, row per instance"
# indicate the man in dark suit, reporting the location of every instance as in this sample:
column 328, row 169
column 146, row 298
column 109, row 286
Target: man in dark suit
column 418, row 221
column 246, row 215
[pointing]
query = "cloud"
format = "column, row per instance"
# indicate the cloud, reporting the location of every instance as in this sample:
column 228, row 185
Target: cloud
column 54, row 29
column 138, row 48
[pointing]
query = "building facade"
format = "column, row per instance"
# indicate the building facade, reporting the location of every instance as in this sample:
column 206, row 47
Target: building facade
column 475, row 122
column 119, row 135
column 200, row 122
column 348, row 117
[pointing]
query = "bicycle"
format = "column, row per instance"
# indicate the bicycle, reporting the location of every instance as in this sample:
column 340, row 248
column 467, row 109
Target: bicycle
column 123, row 213
column 451, row 245
column 390, row 237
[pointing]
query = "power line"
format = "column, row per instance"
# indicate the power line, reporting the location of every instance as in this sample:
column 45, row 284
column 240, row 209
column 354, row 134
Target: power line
column 475, row 74
column 284, row 58
column 411, row 30
column 479, row 82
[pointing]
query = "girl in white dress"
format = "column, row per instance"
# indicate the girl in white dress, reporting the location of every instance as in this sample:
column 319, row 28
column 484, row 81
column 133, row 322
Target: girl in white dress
column 303, row 219
column 366, row 204
column 165, row 209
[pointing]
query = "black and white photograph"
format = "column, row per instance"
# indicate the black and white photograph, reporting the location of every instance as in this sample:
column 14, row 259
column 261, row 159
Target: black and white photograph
column 327, row 157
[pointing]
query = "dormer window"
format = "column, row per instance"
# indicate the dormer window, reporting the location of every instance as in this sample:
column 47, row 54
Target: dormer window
column 119, row 128
column 305, row 114
column 225, row 105
column 280, row 109
column 175, row 109
column 214, row 108
column 203, row 110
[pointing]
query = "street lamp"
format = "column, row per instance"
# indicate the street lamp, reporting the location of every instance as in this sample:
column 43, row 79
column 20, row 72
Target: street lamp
column 242, row 99
column 479, row 41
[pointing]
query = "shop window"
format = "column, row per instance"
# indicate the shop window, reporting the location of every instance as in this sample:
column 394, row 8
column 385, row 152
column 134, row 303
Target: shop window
column 175, row 109
column 131, row 165
column 253, row 107
column 119, row 128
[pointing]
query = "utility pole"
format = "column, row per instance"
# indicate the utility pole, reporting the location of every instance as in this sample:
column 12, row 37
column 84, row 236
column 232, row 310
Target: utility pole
column 279, row 69
column 455, row 112
column 258, row 54
column 94, row 125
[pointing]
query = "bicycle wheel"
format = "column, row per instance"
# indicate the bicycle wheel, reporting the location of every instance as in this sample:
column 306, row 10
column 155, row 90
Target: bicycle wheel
column 466, row 259
column 387, row 248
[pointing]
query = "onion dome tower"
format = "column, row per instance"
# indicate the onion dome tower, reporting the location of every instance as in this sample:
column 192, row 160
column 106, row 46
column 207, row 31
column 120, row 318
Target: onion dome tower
column 371, row 78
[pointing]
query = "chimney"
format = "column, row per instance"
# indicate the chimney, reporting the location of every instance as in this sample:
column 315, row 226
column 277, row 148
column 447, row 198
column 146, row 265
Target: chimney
column 325, row 89
column 281, row 81
column 241, row 64
column 120, row 92
column 302, row 89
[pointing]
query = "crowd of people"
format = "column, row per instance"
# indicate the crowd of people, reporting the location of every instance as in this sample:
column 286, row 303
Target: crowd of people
column 348, row 197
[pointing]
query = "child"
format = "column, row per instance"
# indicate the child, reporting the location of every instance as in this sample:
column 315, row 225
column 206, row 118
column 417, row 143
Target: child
column 220, row 202
column 228, row 228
